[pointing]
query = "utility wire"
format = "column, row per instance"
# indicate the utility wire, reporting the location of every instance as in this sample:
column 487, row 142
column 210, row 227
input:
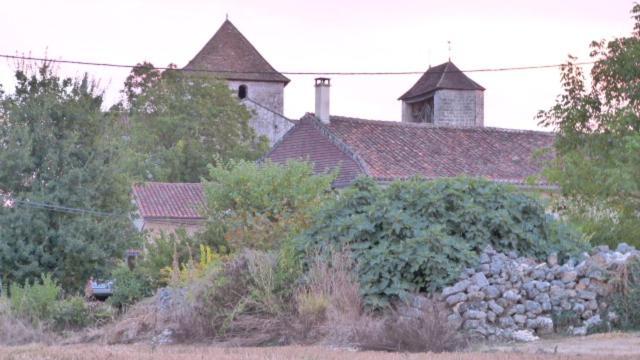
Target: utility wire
column 319, row 73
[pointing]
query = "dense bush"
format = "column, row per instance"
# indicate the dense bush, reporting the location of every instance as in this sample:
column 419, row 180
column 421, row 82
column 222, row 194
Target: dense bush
column 261, row 205
column 625, row 302
column 71, row 313
column 129, row 286
column 417, row 235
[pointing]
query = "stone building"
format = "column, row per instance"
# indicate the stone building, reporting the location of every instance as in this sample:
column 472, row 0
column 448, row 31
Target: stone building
column 231, row 57
column 444, row 95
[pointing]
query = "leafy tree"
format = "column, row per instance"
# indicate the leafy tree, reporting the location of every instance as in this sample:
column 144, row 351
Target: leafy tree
column 261, row 205
column 418, row 235
column 57, row 148
column 181, row 122
column 597, row 160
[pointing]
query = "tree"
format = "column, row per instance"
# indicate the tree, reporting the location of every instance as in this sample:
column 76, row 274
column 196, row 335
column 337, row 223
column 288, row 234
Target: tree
column 260, row 206
column 597, row 160
column 181, row 122
column 57, row 148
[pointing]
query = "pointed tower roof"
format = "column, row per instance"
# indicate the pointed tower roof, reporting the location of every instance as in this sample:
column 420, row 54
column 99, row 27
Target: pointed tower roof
column 230, row 53
column 443, row 76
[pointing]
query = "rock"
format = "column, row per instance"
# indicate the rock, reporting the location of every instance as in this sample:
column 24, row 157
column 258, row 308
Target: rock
column 491, row 316
column 484, row 258
column 587, row 295
column 539, row 274
column 495, row 307
column 593, row 321
column 624, row 248
column 579, row 331
column 519, row 319
column 579, row 308
column 569, row 276
column 476, row 296
column 524, row 336
column 592, row 305
column 475, row 315
column 456, row 288
column 544, row 325
column 471, row 324
column 455, row 320
column 533, row 307
column 492, row 292
column 520, row 309
column 511, row 295
column 496, row 266
column 506, row 322
column 457, row 298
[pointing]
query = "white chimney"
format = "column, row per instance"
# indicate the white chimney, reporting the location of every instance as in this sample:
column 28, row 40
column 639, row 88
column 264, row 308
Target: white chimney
column 322, row 99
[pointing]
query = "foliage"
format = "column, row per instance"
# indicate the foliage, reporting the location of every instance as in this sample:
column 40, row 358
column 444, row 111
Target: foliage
column 416, row 235
column 597, row 160
column 129, row 286
column 193, row 269
column 181, row 122
column 58, row 147
column 71, row 313
column 261, row 205
column 35, row 302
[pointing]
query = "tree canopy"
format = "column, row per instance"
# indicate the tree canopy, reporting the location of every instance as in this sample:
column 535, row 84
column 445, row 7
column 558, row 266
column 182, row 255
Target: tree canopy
column 598, row 145
column 181, row 122
column 57, row 148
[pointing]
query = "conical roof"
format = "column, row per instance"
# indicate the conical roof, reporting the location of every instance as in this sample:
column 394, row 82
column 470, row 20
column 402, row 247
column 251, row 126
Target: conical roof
column 232, row 57
column 443, row 76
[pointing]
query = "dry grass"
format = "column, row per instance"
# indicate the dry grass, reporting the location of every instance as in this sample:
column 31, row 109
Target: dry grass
column 14, row 331
column 121, row 352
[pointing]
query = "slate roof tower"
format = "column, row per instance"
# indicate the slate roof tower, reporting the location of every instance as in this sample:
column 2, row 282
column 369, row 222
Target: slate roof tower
column 444, row 95
column 230, row 56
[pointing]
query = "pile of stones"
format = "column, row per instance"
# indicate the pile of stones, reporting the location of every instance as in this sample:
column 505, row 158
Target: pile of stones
column 516, row 298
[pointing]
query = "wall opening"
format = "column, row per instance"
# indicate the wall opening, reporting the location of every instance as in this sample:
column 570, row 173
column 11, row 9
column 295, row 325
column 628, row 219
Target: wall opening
column 242, row 91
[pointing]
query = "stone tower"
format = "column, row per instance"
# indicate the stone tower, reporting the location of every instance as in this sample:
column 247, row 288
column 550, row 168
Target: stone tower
column 444, row 95
column 230, row 56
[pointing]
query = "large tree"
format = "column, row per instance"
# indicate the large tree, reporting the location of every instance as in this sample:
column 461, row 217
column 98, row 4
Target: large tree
column 598, row 145
column 181, row 122
column 57, row 152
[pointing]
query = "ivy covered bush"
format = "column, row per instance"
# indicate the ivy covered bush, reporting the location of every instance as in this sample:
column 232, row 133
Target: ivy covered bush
column 418, row 235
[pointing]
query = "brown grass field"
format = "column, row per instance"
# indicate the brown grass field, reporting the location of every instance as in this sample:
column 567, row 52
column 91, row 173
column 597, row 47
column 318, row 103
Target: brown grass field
column 596, row 347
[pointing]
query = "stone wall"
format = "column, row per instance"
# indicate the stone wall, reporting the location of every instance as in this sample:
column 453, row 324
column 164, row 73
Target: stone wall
column 459, row 107
column 266, row 120
column 510, row 297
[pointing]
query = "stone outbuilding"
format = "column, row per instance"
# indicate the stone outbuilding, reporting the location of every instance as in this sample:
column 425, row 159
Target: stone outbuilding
column 230, row 56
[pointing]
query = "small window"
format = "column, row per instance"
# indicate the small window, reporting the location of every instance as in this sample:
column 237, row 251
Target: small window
column 242, row 91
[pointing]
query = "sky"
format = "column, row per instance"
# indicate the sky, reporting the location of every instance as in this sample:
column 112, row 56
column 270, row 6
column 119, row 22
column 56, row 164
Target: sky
column 329, row 35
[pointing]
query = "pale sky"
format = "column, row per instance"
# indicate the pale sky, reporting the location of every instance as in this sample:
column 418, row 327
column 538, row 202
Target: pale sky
column 329, row 35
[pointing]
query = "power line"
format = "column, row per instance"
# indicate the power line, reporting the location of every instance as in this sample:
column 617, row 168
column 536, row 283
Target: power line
column 318, row 73
column 267, row 108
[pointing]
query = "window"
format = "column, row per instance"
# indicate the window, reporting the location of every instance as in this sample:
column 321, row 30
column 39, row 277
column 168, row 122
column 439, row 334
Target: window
column 242, row 91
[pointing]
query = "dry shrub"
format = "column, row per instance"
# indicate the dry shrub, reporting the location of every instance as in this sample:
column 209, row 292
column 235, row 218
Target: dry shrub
column 14, row 331
column 329, row 303
column 426, row 330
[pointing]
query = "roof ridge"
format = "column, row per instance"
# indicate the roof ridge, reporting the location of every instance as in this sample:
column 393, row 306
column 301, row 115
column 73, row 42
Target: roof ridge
column 444, row 71
column 438, row 126
column 339, row 143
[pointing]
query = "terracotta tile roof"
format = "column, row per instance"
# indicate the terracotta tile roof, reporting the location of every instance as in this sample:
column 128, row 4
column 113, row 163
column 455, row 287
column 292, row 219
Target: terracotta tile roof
column 229, row 52
column 387, row 150
column 308, row 141
column 443, row 76
column 157, row 200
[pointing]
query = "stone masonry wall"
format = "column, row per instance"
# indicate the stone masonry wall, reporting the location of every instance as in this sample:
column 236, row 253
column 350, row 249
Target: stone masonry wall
column 271, row 96
column 459, row 107
column 510, row 297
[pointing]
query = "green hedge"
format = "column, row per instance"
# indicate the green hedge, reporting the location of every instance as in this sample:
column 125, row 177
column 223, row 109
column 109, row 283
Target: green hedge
column 418, row 235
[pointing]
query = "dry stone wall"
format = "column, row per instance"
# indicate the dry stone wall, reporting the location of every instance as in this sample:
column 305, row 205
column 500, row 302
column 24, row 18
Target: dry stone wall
column 511, row 297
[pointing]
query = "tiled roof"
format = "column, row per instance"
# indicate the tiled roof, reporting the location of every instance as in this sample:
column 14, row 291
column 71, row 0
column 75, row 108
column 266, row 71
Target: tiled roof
column 307, row 141
column 387, row 150
column 230, row 53
column 169, row 200
column 443, row 76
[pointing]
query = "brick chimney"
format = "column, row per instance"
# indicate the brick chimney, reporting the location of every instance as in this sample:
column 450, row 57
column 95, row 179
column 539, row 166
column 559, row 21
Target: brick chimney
column 322, row 99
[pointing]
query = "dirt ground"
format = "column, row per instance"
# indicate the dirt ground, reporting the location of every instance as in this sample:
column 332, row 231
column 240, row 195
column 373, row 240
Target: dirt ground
column 595, row 347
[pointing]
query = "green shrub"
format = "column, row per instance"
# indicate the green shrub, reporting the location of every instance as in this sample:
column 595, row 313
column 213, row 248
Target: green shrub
column 129, row 286
column 418, row 235
column 260, row 205
column 35, row 302
column 71, row 313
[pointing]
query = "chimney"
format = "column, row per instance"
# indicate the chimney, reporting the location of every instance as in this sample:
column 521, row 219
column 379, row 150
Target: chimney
column 322, row 99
